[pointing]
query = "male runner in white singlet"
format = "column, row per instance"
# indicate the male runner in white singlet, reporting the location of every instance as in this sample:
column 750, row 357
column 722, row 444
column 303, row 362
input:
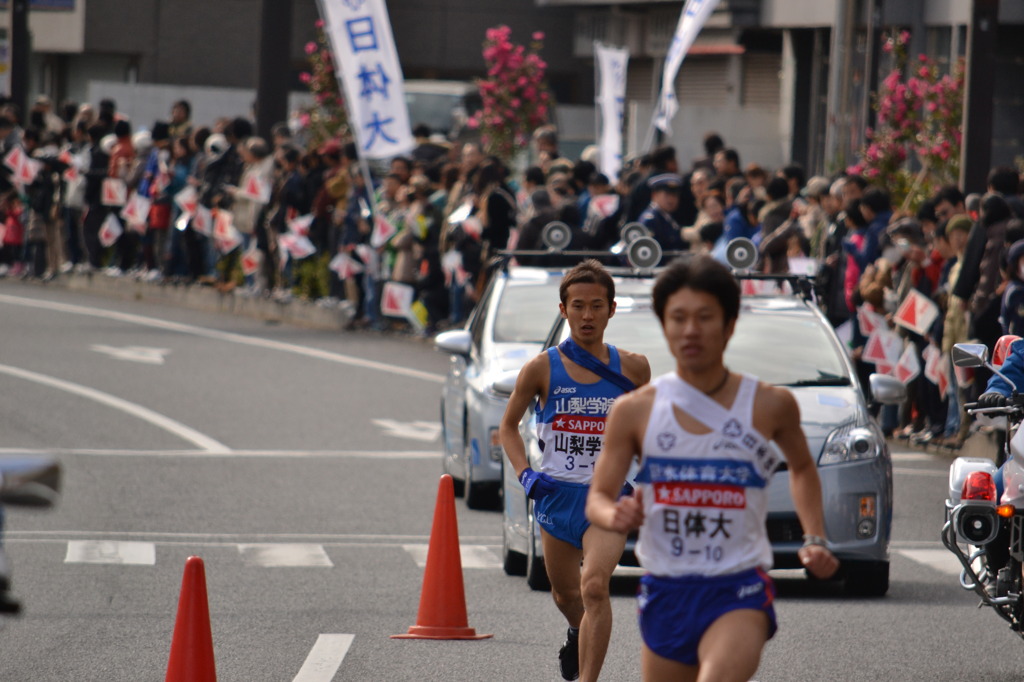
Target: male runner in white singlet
column 702, row 435
column 575, row 385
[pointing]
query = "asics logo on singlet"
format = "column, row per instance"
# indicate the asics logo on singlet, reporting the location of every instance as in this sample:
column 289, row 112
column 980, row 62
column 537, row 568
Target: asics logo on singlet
column 666, row 440
column 732, row 429
column 748, row 590
column 563, row 389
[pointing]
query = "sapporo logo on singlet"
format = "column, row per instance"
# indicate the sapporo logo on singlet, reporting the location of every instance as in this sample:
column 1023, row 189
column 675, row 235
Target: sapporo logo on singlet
column 679, row 494
column 578, row 425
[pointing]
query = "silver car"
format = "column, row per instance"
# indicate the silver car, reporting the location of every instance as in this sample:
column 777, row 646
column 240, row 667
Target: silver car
column 784, row 340
column 507, row 327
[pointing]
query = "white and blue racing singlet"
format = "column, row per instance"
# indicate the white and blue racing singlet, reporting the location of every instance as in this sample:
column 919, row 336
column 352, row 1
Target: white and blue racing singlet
column 705, row 503
column 570, row 426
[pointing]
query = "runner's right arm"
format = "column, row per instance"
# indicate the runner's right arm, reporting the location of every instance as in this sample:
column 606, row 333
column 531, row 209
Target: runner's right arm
column 623, row 436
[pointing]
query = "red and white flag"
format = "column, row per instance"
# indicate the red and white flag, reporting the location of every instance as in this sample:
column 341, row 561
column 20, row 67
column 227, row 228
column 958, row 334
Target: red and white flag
column 256, row 188
column 383, row 230
column 223, row 224
column 15, row 158
column 396, row 299
column 187, row 199
column 345, row 266
column 869, row 321
column 251, row 260
column 27, row 172
column 605, row 204
column 885, row 368
column 908, row 366
column 369, row 256
column 229, row 242
column 936, row 368
column 111, row 230
column 882, row 348
column 114, row 192
column 136, row 212
column 916, row 313
column 202, row 221
column 298, row 247
column 301, row 224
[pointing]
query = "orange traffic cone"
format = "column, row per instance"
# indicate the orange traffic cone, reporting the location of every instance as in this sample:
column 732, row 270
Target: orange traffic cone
column 442, row 612
column 192, row 646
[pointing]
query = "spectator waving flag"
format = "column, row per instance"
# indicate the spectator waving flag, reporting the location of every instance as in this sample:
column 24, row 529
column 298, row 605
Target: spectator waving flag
column 883, row 348
column 936, row 369
column 301, row 225
column 251, row 260
column 187, row 199
column 869, row 321
column 136, row 212
column 345, row 266
column 15, row 158
column 370, row 75
column 917, row 313
column 202, row 221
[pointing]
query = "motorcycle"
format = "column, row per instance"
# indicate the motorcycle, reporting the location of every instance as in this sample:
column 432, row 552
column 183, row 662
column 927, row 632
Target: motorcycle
column 26, row 481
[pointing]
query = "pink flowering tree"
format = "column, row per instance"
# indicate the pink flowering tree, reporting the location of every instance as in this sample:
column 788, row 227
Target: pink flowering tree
column 325, row 119
column 919, row 116
column 514, row 94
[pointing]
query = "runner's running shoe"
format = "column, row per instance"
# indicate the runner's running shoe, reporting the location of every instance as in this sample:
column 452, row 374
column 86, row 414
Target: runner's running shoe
column 569, row 656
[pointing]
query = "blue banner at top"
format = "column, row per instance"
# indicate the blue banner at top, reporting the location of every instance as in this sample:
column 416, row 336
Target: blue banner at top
column 61, row 5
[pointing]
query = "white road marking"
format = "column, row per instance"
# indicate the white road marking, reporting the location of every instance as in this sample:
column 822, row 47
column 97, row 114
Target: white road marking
column 284, row 555
column 224, row 539
column 325, row 658
column 143, row 354
column 912, row 457
column 473, row 556
column 110, row 552
column 200, row 440
column 941, row 560
column 906, row 471
column 368, row 454
column 224, row 336
column 416, row 430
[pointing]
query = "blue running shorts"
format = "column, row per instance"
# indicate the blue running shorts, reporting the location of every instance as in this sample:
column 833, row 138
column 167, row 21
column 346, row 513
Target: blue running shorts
column 563, row 513
column 674, row 613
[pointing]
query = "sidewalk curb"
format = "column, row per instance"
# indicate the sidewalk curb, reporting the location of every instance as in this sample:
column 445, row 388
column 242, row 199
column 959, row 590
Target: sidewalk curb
column 206, row 299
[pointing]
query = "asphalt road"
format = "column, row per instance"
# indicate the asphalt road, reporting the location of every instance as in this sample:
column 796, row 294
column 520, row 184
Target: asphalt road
column 303, row 467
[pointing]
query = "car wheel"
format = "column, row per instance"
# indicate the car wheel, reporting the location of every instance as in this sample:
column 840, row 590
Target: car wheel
column 513, row 562
column 866, row 578
column 536, row 573
column 479, row 495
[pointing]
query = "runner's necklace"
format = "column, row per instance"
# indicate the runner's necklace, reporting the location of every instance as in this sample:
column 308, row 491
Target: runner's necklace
column 719, row 387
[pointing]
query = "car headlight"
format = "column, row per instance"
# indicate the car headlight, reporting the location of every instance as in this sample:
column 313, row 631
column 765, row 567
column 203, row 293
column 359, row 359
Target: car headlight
column 849, row 444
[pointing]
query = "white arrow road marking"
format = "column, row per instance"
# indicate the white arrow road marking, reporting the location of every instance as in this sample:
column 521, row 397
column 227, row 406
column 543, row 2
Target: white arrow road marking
column 225, row 336
column 148, row 356
column 284, row 555
column 110, row 552
column 416, row 430
column 325, row 658
column 473, row 556
column 941, row 560
column 156, row 419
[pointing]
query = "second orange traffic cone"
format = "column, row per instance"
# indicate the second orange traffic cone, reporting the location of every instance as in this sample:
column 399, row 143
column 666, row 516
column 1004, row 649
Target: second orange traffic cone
column 192, row 645
column 442, row 613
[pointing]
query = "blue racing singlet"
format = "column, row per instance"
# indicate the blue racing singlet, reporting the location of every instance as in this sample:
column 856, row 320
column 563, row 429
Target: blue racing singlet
column 570, row 426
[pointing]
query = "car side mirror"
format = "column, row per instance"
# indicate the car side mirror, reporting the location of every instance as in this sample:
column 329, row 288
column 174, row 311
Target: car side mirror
column 969, row 354
column 886, row 389
column 29, row 480
column 454, row 342
column 505, row 384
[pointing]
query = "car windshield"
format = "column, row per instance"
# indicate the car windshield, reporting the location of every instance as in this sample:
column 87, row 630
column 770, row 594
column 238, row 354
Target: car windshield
column 800, row 351
column 526, row 312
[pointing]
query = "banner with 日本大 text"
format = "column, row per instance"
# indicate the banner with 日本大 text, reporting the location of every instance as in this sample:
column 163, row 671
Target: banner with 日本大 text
column 370, row 75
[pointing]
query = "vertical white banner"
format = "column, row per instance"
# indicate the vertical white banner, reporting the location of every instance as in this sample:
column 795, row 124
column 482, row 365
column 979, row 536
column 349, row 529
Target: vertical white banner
column 611, row 102
column 691, row 21
column 370, row 75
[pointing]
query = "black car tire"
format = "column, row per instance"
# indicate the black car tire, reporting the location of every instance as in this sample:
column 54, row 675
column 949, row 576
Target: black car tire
column 513, row 562
column 536, row 573
column 866, row 578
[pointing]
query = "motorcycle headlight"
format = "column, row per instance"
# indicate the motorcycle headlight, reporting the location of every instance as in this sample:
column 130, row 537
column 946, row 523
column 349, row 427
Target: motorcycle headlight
column 850, row 444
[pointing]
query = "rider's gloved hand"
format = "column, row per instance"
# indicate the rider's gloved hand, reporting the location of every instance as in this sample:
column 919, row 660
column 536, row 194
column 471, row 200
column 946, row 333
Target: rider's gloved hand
column 537, row 485
column 992, row 399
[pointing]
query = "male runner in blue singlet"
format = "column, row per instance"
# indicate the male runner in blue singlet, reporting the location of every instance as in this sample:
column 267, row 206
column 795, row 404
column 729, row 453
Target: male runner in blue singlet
column 702, row 435
column 575, row 385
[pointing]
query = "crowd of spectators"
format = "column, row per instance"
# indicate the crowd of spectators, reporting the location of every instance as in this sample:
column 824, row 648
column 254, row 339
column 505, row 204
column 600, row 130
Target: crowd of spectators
column 279, row 218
